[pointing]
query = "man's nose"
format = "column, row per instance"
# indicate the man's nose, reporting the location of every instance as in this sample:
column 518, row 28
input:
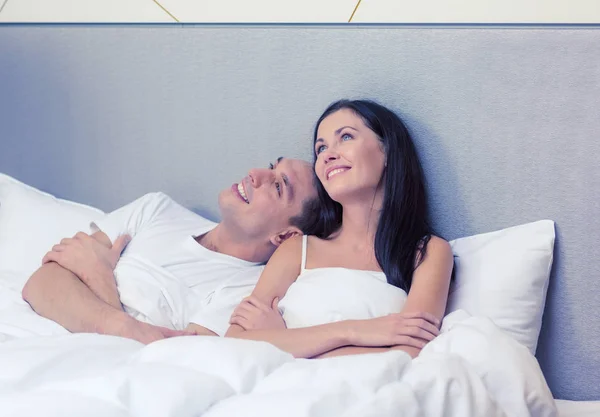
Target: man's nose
column 260, row 176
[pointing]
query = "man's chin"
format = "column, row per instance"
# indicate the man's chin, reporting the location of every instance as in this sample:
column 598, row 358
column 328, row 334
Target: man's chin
column 223, row 202
column 230, row 207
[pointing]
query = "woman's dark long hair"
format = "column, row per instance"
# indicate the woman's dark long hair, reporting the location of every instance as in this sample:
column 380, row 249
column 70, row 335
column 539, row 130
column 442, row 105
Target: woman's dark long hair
column 403, row 230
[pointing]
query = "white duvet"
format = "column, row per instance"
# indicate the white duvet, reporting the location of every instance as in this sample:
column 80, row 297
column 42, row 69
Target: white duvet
column 471, row 369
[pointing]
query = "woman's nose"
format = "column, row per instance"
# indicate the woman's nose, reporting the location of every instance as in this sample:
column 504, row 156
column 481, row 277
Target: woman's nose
column 330, row 156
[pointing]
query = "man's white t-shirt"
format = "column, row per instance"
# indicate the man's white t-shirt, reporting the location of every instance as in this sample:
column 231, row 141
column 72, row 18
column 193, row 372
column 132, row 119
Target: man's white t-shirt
column 164, row 276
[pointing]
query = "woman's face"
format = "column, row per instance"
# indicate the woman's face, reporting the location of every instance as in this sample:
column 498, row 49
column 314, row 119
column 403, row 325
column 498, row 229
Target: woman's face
column 350, row 159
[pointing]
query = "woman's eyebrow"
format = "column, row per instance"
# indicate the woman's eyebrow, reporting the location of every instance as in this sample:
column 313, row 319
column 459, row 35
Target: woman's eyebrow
column 337, row 132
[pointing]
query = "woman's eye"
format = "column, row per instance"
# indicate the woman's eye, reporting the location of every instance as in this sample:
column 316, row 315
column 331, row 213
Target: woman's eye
column 346, row 136
column 271, row 165
column 320, row 149
column 278, row 187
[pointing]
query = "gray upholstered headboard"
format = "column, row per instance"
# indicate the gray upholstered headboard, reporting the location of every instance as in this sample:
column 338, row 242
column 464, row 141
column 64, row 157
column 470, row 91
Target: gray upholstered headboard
column 506, row 119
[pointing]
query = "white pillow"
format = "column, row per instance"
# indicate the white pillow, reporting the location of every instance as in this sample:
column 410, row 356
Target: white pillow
column 504, row 275
column 31, row 222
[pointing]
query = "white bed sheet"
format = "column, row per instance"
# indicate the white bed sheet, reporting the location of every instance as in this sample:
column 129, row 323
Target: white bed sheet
column 17, row 319
column 578, row 408
column 471, row 369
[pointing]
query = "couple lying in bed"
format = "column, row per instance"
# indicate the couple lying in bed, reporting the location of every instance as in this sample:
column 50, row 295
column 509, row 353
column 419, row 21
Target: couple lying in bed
column 352, row 266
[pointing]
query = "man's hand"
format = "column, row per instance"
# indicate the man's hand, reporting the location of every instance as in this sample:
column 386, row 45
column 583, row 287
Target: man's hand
column 253, row 314
column 84, row 255
column 197, row 330
column 126, row 326
column 92, row 261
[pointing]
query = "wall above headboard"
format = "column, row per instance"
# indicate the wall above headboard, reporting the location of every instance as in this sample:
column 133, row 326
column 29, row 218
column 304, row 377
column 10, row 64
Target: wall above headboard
column 506, row 121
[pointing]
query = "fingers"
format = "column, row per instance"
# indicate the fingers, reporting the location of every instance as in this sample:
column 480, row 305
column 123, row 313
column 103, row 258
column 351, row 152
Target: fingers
column 175, row 333
column 66, row 241
column 81, row 236
column 245, row 308
column 240, row 321
column 423, row 324
column 422, row 315
column 254, row 301
column 120, row 243
column 417, row 332
column 58, row 248
column 410, row 341
column 51, row 257
column 76, row 239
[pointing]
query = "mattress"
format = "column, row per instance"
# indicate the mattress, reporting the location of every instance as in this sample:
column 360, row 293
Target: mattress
column 578, row 408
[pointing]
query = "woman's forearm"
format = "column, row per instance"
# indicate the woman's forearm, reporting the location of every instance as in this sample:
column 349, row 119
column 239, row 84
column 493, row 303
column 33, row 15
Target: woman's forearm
column 360, row 350
column 306, row 342
column 351, row 350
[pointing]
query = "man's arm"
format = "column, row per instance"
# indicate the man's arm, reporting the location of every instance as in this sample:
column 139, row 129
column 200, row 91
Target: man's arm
column 57, row 294
column 199, row 330
column 93, row 260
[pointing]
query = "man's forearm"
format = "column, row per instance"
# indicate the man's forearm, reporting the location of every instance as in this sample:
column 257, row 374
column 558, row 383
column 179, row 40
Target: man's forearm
column 57, row 294
column 105, row 288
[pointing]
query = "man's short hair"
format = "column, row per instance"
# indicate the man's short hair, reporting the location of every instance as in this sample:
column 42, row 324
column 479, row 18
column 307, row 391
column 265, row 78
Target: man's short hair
column 319, row 216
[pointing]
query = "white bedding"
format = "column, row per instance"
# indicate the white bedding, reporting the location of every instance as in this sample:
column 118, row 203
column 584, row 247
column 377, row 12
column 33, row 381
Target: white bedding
column 578, row 408
column 471, row 369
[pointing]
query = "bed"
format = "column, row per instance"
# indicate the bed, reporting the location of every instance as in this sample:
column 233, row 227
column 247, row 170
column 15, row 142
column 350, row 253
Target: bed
column 504, row 120
column 577, row 408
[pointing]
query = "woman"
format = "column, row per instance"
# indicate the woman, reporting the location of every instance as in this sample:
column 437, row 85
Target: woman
column 380, row 279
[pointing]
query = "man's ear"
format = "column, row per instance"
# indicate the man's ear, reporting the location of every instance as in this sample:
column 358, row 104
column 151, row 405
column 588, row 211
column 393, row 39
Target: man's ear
column 284, row 235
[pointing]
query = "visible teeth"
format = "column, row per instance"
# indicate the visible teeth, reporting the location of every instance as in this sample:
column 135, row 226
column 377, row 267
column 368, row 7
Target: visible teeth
column 242, row 192
column 335, row 171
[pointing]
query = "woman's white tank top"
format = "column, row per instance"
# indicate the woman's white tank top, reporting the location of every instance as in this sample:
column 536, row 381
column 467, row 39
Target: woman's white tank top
column 325, row 295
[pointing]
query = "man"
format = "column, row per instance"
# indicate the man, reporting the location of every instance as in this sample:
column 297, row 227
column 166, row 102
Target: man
column 179, row 270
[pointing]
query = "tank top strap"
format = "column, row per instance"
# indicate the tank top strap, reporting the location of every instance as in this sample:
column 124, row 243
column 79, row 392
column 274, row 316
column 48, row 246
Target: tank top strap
column 303, row 263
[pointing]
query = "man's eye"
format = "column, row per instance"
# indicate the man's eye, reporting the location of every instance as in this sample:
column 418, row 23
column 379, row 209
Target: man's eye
column 278, row 187
column 321, row 149
column 271, row 166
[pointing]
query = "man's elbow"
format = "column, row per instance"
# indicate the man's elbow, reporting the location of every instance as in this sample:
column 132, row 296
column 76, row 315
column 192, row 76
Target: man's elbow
column 30, row 289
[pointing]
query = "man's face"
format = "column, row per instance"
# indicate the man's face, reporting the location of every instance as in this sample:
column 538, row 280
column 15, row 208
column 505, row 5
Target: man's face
column 262, row 203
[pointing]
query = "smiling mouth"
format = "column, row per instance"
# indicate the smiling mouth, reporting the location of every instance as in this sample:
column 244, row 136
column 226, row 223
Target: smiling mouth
column 336, row 171
column 242, row 193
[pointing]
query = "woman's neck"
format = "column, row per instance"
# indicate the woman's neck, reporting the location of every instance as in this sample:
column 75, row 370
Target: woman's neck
column 359, row 222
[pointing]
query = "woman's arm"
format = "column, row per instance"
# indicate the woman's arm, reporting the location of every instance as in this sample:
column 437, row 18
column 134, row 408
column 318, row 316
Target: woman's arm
column 428, row 294
column 360, row 350
column 431, row 280
column 407, row 331
column 279, row 274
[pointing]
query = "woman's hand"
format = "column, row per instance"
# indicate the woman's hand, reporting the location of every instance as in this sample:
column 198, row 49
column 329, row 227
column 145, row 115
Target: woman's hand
column 253, row 314
column 407, row 329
